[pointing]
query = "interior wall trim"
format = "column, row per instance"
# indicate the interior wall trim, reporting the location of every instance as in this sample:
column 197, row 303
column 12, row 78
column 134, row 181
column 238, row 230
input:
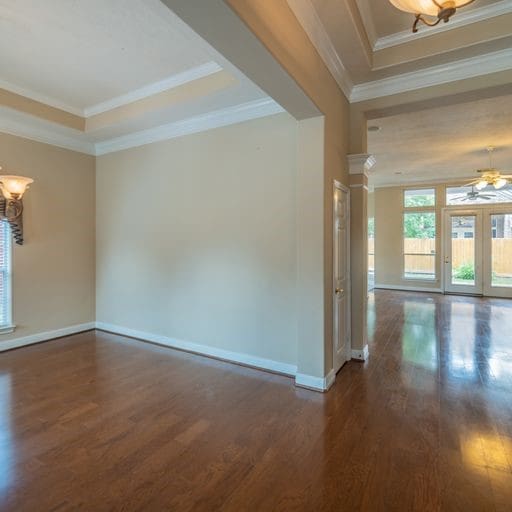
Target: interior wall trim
column 204, row 350
column 189, row 75
column 306, row 13
column 41, row 98
column 53, row 135
column 360, row 355
column 45, row 336
column 290, row 370
column 406, row 288
column 303, row 380
column 436, row 75
column 462, row 19
column 224, row 117
column 47, row 135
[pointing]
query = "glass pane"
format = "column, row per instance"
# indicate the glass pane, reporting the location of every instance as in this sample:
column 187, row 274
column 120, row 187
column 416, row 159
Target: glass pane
column 470, row 195
column 420, row 245
column 463, row 250
column 501, row 246
column 419, row 197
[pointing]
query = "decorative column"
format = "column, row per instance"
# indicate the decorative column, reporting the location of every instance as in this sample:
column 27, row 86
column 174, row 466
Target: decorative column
column 358, row 166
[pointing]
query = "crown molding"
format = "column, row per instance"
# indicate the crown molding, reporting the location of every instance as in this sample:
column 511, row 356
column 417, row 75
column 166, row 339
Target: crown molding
column 436, row 75
column 231, row 115
column 47, row 134
column 461, row 19
column 307, row 16
column 41, row 98
column 369, row 25
column 171, row 82
column 189, row 75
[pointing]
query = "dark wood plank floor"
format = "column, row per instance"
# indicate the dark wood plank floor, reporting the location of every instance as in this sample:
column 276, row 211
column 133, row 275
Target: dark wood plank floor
column 98, row 422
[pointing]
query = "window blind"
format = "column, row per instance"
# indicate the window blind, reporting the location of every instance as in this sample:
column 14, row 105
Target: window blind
column 5, row 274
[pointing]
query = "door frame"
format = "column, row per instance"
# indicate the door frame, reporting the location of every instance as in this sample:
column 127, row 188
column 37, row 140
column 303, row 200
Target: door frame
column 488, row 289
column 339, row 186
column 478, row 287
column 483, row 213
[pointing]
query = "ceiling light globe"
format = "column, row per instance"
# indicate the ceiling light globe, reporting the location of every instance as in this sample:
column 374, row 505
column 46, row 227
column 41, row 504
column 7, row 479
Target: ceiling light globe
column 429, row 7
column 481, row 185
column 500, row 183
column 13, row 187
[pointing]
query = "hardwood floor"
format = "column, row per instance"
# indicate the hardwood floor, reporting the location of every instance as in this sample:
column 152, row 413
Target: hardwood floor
column 99, row 422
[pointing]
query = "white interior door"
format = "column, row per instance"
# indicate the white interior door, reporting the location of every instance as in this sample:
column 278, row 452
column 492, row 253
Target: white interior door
column 341, row 261
column 463, row 251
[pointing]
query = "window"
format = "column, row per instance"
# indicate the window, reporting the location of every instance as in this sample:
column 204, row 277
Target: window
column 419, row 197
column 469, row 195
column 468, row 234
column 5, row 276
column 420, row 245
column 455, row 234
column 419, row 234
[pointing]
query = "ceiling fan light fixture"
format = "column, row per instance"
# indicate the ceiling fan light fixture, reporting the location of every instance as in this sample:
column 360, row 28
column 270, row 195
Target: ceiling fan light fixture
column 500, row 183
column 481, row 184
column 443, row 10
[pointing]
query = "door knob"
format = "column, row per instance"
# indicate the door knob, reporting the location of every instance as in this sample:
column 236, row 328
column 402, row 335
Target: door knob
column 338, row 291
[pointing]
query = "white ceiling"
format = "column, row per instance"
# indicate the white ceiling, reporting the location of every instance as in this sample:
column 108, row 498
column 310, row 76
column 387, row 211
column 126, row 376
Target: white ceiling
column 442, row 143
column 83, row 52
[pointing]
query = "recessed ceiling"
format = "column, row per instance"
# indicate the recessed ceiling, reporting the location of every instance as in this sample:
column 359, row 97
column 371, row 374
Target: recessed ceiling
column 84, row 52
column 371, row 51
column 442, row 143
column 101, row 75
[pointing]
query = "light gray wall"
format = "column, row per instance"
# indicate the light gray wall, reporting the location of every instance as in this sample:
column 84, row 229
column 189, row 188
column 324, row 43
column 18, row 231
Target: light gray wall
column 196, row 238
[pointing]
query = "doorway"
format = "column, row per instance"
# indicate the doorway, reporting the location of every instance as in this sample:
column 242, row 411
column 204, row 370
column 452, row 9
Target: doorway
column 478, row 251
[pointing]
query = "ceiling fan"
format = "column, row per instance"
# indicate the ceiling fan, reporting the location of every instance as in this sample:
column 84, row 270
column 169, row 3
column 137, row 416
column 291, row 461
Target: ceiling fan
column 490, row 176
column 473, row 195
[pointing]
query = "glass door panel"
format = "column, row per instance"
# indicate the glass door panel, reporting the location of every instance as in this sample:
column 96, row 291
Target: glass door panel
column 501, row 249
column 463, row 251
column 463, row 232
column 498, row 254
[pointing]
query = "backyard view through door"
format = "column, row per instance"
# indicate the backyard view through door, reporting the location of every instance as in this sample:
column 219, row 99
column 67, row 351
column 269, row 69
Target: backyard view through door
column 478, row 251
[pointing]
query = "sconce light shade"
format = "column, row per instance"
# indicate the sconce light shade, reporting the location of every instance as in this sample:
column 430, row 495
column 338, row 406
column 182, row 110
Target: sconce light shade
column 13, row 187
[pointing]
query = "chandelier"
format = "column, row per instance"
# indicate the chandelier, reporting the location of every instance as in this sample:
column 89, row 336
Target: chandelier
column 442, row 10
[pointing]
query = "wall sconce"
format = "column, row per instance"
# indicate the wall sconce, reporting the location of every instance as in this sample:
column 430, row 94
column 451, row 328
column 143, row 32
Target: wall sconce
column 11, row 204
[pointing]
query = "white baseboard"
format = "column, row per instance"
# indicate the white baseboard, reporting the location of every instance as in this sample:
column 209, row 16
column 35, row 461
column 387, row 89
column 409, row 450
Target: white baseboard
column 196, row 348
column 360, row 355
column 45, row 336
column 317, row 383
column 302, row 380
column 407, row 288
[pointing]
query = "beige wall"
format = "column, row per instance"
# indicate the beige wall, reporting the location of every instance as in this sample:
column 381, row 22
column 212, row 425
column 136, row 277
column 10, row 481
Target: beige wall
column 196, row 238
column 53, row 272
column 279, row 30
column 388, row 237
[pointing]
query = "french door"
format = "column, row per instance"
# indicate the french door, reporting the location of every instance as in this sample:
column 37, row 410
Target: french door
column 478, row 251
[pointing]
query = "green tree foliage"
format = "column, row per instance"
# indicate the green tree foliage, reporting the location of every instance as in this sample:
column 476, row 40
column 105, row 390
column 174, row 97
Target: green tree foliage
column 420, row 225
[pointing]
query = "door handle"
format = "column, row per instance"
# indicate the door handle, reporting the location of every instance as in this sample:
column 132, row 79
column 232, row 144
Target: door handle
column 338, row 291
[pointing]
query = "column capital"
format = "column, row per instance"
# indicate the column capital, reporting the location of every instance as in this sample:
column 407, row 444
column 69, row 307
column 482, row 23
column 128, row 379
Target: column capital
column 360, row 163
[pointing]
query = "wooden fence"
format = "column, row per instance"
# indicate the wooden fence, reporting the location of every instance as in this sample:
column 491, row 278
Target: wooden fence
column 463, row 251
